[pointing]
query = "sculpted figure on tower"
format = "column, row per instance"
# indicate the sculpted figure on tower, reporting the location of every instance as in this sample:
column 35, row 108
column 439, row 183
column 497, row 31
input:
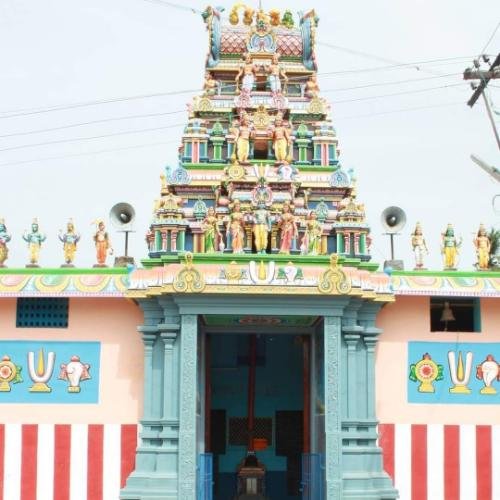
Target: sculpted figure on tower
column 4, row 239
column 242, row 139
column 483, row 247
column 34, row 239
column 281, row 139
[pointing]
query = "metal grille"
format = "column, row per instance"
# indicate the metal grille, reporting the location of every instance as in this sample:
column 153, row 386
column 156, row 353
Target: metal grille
column 238, row 430
column 42, row 312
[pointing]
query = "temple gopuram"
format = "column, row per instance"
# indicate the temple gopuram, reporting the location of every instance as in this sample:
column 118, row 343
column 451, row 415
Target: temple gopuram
column 257, row 352
column 260, row 279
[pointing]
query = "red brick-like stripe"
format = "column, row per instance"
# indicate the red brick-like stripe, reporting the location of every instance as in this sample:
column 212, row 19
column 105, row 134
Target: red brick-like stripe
column 95, row 462
column 29, row 462
column 62, row 455
column 483, row 462
column 452, row 462
column 386, row 442
column 129, row 445
column 419, row 462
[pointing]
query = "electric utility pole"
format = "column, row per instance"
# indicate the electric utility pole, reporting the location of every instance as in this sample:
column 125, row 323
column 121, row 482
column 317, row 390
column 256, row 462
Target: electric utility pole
column 484, row 76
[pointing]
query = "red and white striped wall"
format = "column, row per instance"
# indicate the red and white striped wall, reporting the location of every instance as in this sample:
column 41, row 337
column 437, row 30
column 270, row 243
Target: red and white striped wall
column 92, row 462
column 443, row 462
column 65, row 462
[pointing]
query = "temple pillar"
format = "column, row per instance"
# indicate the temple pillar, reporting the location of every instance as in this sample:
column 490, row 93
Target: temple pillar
column 155, row 474
column 363, row 474
column 333, row 467
column 187, row 417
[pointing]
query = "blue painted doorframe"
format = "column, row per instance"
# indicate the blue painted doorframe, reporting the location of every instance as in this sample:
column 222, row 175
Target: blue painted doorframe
column 166, row 460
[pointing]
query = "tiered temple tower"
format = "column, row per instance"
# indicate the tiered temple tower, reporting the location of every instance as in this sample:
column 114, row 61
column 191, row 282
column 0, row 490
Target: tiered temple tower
column 258, row 232
column 259, row 143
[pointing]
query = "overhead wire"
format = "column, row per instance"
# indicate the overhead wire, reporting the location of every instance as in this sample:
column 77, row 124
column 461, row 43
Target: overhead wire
column 380, row 96
column 92, row 122
column 402, row 110
column 35, row 111
column 397, row 93
column 88, row 153
column 398, row 82
column 48, row 109
column 76, row 139
column 490, row 39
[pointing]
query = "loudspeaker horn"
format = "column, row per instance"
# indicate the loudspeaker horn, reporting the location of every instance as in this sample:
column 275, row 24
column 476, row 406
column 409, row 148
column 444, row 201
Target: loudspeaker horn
column 393, row 219
column 122, row 216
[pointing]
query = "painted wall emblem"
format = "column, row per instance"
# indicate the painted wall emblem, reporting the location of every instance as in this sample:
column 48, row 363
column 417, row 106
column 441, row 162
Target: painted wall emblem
column 44, row 385
column 426, row 372
column 9, row 373
column 74, row 372
column 42, row 373
column 459, row 374
column 488, row 371
column 456, row 384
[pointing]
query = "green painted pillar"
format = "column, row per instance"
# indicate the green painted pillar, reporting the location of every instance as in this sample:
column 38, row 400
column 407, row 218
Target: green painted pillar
column 217, row 143
column 333, row 437
column 340, row 243
column 362, row 243
column 363, row 474
column 154, row 477
column 181, row 238
column 187, row 417
column 158, row 240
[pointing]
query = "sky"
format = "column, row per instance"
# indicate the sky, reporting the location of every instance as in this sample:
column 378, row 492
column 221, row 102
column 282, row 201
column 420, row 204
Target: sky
column 392, row 71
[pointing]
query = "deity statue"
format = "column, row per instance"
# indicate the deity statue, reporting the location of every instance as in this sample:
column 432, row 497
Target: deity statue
column 483, row 248
column 4, row 239
column 275, row 71
column 288, row 228
column 102, row 244
column 419, row 246
column 247, row 70
column 235, row 228
column 34, row 239
column 311, row 241
column 450, row 247
column 168, row 200
column 312, row 87
column 281, row 139
column 209, row 85
column 242, row 139
column 261, row 227
column 70, row 238
column 211, row 231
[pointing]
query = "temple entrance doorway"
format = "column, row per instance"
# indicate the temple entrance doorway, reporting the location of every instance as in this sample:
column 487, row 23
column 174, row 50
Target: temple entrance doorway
column 256, row 388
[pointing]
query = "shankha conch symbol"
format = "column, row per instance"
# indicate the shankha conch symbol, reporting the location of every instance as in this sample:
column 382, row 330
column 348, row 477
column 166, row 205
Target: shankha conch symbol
column 74, row 372
column 459, row 374
column 40, row 374
column 488, row 371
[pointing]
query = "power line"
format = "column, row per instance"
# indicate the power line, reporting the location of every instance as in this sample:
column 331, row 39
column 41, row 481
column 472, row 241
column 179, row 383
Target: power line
column 174, row 5
column 397, row 93
column 410, row 80
column 11, row 148
column 60, row 141
column 34, row 111
column 62, row 107
column 402, row 110
column 104, row 120
column 89, row 153
column 149, row 115
column 490, row 39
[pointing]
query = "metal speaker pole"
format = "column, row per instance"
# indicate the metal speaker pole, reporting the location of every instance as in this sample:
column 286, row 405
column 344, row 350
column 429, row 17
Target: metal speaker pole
column 393, row 220
column 122, row 216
